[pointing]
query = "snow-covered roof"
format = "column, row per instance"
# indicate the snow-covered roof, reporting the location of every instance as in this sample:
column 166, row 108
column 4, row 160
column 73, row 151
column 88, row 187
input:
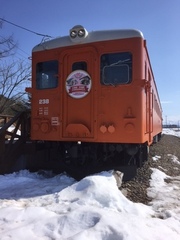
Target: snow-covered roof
column 94, row 36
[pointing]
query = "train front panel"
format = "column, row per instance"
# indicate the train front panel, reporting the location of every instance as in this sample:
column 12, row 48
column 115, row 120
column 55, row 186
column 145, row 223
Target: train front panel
column 90, row 92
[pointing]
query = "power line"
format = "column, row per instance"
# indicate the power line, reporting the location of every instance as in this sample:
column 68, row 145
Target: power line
column 39, row 34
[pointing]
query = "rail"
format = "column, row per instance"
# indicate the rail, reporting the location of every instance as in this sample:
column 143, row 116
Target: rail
column 11, row 142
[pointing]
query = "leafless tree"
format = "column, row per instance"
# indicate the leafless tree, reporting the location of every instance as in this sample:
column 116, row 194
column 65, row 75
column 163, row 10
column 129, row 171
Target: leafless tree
column 13, row 79
column 14, row 75
column 7, row 44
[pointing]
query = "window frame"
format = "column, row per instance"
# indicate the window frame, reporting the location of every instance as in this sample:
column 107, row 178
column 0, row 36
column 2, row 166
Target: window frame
column 121, row 62
column 49, row 72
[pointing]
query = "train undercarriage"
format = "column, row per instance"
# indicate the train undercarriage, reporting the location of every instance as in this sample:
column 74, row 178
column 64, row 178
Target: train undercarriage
column 78, row 159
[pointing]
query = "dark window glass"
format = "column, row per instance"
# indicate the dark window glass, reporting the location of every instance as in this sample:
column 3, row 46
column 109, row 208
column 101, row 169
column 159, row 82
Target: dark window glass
column 116, row 68
column 79, row 66
column 47, row 75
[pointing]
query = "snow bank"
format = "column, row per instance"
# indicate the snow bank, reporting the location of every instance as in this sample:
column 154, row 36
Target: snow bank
column 34, row 206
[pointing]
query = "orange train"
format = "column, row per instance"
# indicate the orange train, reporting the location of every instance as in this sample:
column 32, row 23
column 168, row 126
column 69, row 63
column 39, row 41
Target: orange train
column 94, row 98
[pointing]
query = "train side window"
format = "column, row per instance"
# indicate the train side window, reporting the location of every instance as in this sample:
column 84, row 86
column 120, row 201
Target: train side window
column 79, row 66
column 47, row 75
column 116, row 68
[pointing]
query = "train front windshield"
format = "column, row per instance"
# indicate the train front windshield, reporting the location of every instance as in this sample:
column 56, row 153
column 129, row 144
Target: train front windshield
column 47, row 74
column 116, row 68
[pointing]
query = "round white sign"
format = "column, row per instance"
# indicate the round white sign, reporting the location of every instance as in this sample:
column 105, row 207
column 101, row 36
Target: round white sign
column 78, row 84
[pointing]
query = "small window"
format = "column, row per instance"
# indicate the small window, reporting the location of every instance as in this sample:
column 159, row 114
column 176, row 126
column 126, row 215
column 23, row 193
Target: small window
column 47, row 75
column 79, row 66
column 116, row 68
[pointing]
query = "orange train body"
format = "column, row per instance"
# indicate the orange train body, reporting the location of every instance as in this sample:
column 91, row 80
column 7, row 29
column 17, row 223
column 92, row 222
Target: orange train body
column 95, row 88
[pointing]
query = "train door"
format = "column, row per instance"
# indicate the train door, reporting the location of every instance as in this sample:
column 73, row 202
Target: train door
column 78, row 110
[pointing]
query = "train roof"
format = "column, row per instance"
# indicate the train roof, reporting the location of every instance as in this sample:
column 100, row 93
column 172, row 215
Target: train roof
column 88, row 37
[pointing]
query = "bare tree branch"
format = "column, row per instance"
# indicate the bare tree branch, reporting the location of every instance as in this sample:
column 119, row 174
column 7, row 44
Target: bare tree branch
column 14, row 76
column 7, row 45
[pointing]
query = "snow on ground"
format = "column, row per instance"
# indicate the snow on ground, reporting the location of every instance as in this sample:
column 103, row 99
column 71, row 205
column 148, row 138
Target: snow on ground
column 172, row 131
column 42, row 206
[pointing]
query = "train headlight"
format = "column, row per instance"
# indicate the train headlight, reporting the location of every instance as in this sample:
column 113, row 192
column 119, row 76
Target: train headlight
column 73, row 34
column 77, row 33
column 81, row 33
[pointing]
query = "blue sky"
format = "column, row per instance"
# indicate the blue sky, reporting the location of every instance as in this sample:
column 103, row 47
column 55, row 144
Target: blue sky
column 157, row 19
